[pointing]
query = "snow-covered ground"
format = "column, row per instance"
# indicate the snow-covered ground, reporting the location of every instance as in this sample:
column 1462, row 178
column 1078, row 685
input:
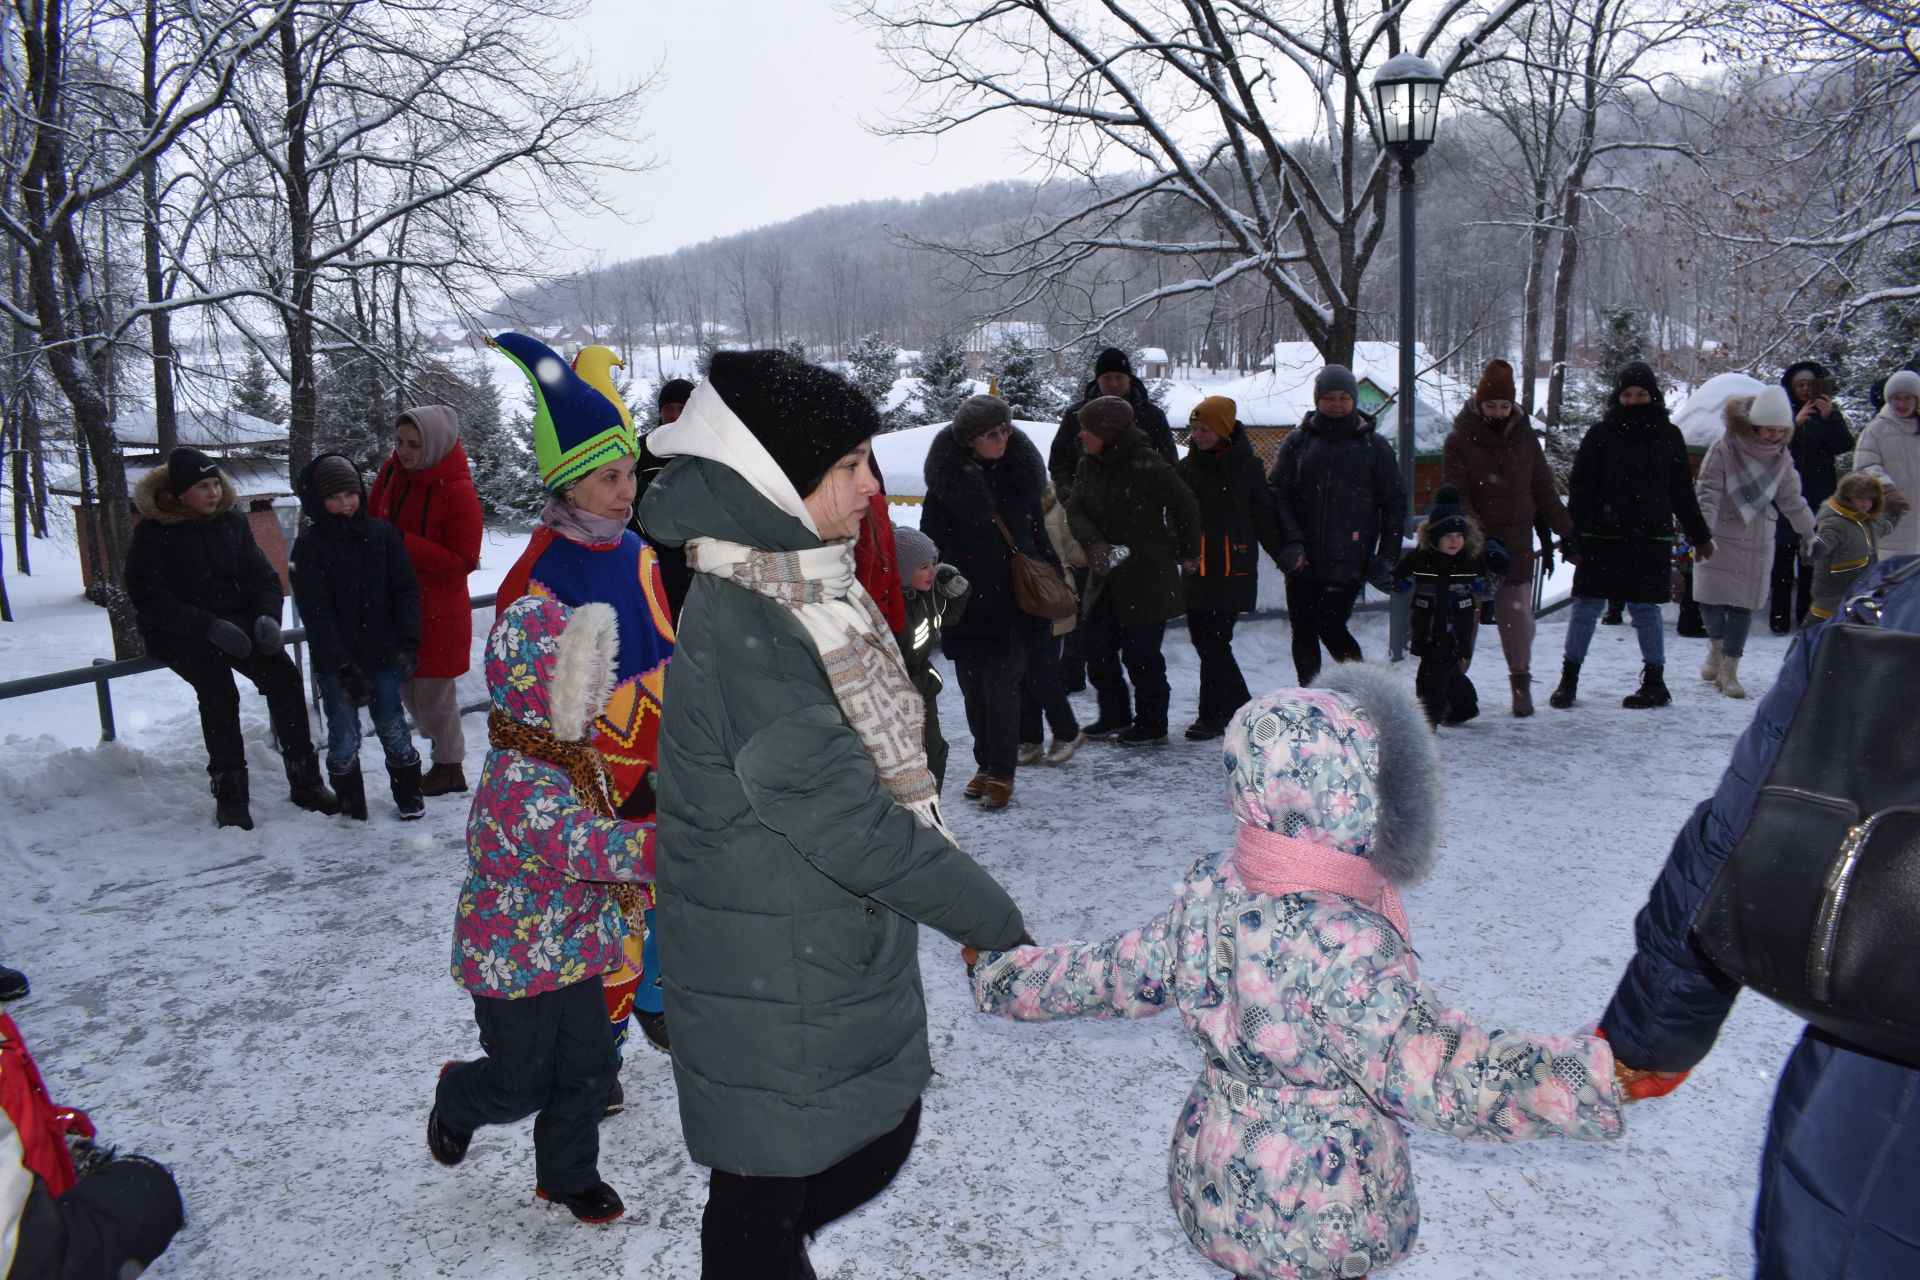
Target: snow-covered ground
column 265, row 1011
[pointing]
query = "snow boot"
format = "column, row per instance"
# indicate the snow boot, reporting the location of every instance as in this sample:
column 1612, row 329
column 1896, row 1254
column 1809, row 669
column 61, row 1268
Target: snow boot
column 598, row 1203
column 1710, row 669
column 1142, row 735
column 443, row 778
column 304, row 787
column 616, row 1100
column 1615, row 615
column 1729, row 680
column 1029, row 753
column 448, row 1147
column 1063, row 748
column 1652, row 691
column 998, row 794
column 653, row 1025
column 13, row 984
column 404, row 779
column 976, row 786
column 230, row 799
column 1522, row 692
column 351, row 789
column 1562, row 698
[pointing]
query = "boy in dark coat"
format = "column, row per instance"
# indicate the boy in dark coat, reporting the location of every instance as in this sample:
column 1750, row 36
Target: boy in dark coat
column 209, row 605
column 1236, row 520
column 1112, row 376
column 361, row 604
column 935, row 594
column 1447, row 574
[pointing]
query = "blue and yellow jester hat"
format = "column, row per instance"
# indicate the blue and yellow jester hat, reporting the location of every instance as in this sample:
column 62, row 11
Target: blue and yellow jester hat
column 575, row 427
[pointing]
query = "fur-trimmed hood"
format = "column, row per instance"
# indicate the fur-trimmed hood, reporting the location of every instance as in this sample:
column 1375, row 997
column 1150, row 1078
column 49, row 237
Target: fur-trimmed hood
column 551, row 666
column 1476, row 537
column 1737, row 416
column 155, row 501
column 959, row 480
column 1853, row 484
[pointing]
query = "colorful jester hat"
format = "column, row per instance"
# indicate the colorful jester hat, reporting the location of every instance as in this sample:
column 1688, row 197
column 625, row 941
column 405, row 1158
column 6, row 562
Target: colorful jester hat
column 576, row 427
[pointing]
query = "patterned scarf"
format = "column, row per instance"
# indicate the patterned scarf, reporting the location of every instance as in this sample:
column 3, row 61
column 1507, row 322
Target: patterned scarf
column 1277, row 864
column 588, row 770
column 1754, row 472
column 865, row 669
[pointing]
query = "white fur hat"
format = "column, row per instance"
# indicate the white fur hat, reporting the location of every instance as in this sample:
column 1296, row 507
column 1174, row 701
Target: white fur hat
column 1771, row 409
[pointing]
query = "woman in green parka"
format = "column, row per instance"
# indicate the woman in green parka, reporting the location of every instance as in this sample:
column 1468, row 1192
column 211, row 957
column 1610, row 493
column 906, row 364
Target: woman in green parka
column 800, row 833
column 1126, row 495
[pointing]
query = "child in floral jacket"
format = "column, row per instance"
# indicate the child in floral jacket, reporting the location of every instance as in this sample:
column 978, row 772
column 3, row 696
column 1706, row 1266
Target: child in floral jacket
column 537, row 924
column 1289, row 960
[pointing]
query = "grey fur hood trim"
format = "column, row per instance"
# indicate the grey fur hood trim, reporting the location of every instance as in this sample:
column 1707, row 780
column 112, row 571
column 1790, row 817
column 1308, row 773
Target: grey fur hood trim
column 956, row 478
column 1408, row 783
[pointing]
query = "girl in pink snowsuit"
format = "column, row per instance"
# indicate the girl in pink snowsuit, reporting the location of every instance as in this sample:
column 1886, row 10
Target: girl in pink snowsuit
column 1288, row 956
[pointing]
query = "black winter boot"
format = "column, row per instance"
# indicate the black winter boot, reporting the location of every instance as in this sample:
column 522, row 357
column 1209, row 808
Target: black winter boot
column 1562, row 697
column 442, row 779
column 1652, row 691
column 352, row 792
column 304, row 787
column 230, row 799
column 405, row 780
column 1615, row 615
column 598, row 1203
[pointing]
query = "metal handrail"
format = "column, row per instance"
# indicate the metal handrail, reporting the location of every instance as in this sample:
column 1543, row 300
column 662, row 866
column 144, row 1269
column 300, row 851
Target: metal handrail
column 105, row 671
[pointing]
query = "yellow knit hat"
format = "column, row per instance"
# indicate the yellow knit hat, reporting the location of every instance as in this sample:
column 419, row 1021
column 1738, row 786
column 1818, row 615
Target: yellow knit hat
column 1216, row 414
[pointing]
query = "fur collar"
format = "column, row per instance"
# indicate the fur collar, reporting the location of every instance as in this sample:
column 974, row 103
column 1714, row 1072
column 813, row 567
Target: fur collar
column 583, row 670
column 1407, row 786
column 958, row 480
column 153, row 500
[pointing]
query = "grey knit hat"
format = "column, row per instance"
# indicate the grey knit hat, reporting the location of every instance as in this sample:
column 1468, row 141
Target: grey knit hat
column 334, row 474
column 912, row 548
column 1335, row 377
column 978, row 415
column 1903, row 383
column 1106, row 417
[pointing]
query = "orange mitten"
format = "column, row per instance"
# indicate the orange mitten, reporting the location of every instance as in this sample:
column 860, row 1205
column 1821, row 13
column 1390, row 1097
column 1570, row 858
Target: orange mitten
column 1637, row 1085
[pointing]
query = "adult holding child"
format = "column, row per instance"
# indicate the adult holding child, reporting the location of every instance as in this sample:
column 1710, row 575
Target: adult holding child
column 425, row 490
column 801, row 841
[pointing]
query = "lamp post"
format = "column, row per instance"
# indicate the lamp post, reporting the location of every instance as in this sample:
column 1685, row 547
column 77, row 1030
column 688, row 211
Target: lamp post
column 1913, row 156
column 1406, row 92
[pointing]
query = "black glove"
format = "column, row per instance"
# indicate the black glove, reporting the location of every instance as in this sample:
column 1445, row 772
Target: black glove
column 408, row 664
column 229, row 639
column 354, row 683
column 1292, row 557
column 266, row 636
column 1099, row 559
column 1380, row 575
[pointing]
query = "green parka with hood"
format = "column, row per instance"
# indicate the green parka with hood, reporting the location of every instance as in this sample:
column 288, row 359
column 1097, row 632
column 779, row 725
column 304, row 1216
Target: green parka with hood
column 1128, row 495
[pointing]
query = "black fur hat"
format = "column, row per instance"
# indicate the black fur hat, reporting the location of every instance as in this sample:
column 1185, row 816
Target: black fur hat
column 806, row 417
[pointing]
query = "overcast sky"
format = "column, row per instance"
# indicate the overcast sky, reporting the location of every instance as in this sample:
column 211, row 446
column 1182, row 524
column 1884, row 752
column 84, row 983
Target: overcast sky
column 759, row 116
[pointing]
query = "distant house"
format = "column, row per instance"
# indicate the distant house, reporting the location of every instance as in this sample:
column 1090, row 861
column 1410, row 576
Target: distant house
column 1154, row 363
column 981, row 342
column 1282, row 392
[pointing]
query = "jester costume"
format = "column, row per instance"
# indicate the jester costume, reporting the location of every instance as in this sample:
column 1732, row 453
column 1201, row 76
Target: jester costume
column 580, row 424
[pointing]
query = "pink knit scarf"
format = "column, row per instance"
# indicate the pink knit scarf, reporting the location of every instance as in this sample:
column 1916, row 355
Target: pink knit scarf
column 1274, row 864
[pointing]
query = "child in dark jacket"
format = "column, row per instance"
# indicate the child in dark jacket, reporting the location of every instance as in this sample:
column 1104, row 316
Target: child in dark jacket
column 358, row 597
column 1447, row 573
column 935, row 594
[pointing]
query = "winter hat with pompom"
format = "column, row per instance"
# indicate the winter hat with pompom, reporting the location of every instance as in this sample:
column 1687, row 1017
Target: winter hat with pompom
column 1446, row 515
column 912, row 549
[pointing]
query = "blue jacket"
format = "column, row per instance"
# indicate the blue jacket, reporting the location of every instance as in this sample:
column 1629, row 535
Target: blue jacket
column 1840, row 1175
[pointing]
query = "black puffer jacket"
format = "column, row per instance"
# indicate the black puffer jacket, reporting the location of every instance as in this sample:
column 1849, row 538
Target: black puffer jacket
column 185, row 571
column 1816, row 446
column 1630, row 482
column 1063, row 457
column 1336, row 486
column 354, row 585
column 963, row 495
column 1236, row 520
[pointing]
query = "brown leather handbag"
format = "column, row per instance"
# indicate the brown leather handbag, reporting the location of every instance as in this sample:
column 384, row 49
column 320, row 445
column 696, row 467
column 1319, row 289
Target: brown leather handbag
column 1038, row 587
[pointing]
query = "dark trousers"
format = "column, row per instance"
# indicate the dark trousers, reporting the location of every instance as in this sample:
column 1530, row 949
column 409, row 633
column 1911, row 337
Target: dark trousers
column 1318, row 613
column 551, row 1054
column 757, row 1228
column 1073, row 654
column 936, row 741
column 1792, row 587
column 110, row 1224
column 1223, row 690
column 1042, row 696
column 210, row 672
column 1110, row 645
column 990, row 688
column 1441, row 683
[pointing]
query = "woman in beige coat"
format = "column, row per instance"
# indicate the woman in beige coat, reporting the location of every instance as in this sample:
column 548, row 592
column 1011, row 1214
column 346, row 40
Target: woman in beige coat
column 1889, row 451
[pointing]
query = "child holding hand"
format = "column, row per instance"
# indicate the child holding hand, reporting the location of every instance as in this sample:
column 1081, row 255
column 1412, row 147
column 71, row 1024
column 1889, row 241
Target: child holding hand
column 1846, row 538
column 1447, row 573
column 1288, row 956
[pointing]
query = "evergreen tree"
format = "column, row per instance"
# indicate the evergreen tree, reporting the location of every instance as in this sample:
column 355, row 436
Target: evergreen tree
column 703, row 355
column 795, row 348
column 1624, row 336
column 1082, row 354
column 945, row 380
column 872, row 362
column 1023, row 380
column 254, row 392
column 355, row 409
column 499, row 451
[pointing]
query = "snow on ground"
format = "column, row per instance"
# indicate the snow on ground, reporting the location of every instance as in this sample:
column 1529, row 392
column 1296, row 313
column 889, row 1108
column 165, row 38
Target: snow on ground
column 265, row 1011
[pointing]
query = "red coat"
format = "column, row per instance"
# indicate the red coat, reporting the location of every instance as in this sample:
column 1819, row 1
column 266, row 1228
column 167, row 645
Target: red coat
column 438, row 511
column 875, row 563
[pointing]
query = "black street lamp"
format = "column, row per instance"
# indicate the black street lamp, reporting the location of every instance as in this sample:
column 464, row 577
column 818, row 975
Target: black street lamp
column 1913, row 156
column 1406, row 93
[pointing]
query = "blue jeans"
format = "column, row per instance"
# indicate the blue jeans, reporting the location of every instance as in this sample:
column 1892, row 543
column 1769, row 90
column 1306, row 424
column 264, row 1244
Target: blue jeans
column 1647, row 624
column 343, row 721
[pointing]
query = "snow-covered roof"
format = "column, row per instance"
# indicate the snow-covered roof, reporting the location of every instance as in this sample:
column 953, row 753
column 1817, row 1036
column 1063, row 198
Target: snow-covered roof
column 201, row 428
column 1031, row 333
column 1698, row 416
column 1281, row 396
column 1153, row 355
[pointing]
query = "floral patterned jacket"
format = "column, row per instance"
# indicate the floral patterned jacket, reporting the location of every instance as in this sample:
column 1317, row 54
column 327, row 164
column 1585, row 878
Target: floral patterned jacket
column 1289, row 1159
column 535, row 914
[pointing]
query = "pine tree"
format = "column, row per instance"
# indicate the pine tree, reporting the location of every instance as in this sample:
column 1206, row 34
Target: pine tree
column 945, row 380
column 500, row 452
column 1023, row 380
column 872, row 361
column 703, row 354
column 254, row 392
column 795, row 348
column 354, row 410
column 1624, row 336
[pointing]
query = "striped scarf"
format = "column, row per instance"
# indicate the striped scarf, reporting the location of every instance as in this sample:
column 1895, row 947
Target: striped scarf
column 588, row 771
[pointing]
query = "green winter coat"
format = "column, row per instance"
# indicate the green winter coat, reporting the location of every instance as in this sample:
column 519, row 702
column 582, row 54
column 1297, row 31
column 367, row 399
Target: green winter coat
column 789, row 881
column 1126, row 495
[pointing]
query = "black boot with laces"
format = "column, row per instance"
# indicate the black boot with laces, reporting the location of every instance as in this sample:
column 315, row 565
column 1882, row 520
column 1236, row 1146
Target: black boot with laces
column 1652, row 691
column 1562, row 697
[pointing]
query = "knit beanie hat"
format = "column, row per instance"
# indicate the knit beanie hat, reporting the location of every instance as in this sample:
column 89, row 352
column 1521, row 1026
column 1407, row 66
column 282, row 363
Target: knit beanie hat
column 334, row 474
column 1349, row 765
column 1216, row 414
column 978, row 415
column 912, row 548
column 673, row 391
column 1106, row 417
column 1496, row 383
column 1112, row 360
column 1771, row 408
column 807, row 418
column 1904, row 383
column 1335, row 377
column 187, row 468
column 576, row 428
column 1446, row 514
column 1639, row 374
